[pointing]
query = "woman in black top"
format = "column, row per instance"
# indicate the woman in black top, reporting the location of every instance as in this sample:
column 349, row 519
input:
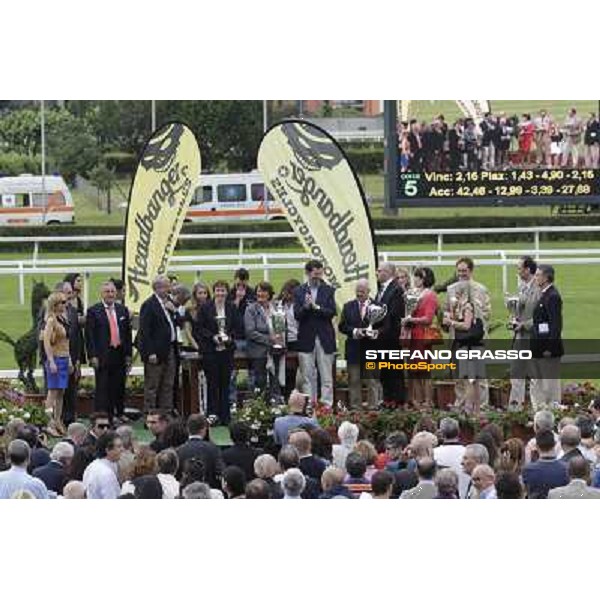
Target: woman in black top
column 217, row 325
column 591, row 139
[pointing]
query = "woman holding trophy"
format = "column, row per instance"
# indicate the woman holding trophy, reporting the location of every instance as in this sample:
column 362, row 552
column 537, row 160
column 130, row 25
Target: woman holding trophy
column 218, row 320
column 265, row 324
column 420, row 333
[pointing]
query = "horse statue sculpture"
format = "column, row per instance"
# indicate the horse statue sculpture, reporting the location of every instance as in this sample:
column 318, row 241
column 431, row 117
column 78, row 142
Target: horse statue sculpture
column 26, row 347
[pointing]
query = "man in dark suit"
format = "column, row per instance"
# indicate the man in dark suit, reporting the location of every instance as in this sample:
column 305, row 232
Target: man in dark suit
column 388, row 330
column 546, row 341
column 353, row 323
column 198, row 446
column 314, row 309
column 310, row 465
column 547, row 471
column 241, row 454
column 108, row 340
column 54, row 473
column 157, row 343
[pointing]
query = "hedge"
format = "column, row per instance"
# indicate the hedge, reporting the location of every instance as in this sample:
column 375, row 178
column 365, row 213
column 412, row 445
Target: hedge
column 365, row 159
column 273, row 226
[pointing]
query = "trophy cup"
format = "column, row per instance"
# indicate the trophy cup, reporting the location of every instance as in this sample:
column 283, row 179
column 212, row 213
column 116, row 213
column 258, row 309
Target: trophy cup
column 411, row 299
column 278, row 322
column 375, row 314
column 221, row 335
column 512, row 303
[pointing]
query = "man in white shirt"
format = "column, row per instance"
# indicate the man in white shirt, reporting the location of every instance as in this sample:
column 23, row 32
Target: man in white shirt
column 168, row 464
column 100, row 478
column 450, row 453
column 16, row 479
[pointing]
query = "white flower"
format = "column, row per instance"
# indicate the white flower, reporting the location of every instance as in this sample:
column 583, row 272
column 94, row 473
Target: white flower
column 254, row 439
column 3, row 411
column 26, row 416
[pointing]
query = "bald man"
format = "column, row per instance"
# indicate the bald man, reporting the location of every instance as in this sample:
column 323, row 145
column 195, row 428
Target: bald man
column 353, row 324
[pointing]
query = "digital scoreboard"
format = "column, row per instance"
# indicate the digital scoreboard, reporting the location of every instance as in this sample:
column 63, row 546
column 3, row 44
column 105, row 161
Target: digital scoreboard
column 509, row 188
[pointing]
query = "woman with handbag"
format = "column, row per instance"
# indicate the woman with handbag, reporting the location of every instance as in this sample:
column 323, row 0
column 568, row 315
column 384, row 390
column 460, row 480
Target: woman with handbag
column 467, row 330
column 420, row 333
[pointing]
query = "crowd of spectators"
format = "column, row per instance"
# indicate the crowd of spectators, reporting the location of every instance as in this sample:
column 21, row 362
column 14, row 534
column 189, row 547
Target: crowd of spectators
column 500, row 142
column 560, row 461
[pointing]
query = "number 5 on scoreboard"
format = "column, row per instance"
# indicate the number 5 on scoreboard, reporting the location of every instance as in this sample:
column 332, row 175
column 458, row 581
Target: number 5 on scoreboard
column 410, row 188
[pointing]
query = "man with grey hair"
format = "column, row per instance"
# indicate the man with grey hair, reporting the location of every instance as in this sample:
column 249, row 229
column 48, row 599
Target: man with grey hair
column 196, row 491
column 74, row 490
column 390, row 294
column 543, row 420
column 475, row 454
column 293, row 483
column 76, row 433
column 484, row 480
column 570, row 438
column 157, row 343
column 17, row 478
column 54, row 473
column 353, row 323
column 546, row 341
column 109, row 349
column 125, row 432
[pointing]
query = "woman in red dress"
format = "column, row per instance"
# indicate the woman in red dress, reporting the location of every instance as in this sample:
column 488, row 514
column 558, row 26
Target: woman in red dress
column 421, row 334
column 526, row 133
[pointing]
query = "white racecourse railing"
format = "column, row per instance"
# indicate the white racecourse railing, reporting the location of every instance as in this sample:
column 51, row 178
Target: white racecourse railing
column 268, row 262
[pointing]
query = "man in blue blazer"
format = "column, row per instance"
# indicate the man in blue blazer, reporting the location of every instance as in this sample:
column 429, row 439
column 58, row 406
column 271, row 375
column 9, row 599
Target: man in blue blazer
column 314, row 309
column 353, row 323
column 108, row 343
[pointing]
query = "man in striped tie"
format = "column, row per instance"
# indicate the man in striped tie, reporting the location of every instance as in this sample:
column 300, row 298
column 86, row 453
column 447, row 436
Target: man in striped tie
column 108, row 342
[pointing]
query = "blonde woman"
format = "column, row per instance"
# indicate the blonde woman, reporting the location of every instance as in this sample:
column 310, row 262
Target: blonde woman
column 58, row 365
column 200, row 295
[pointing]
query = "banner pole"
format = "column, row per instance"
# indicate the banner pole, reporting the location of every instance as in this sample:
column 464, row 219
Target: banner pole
column 390, row 155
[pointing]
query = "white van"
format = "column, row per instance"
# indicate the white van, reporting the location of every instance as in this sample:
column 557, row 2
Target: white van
column 35, row 200
column 233, row 196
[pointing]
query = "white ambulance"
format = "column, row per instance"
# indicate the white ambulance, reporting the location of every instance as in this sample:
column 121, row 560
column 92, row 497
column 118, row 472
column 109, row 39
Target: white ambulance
column 233, row 196
column 35, row 200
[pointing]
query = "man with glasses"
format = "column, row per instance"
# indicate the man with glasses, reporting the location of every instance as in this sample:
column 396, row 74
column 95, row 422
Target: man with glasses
column 100, row 479
column 109, row 348
column 99, row 425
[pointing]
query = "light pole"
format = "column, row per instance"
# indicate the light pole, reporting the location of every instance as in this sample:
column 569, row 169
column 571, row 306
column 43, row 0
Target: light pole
column 153, row 108
column 43, row 139
column 265, row 116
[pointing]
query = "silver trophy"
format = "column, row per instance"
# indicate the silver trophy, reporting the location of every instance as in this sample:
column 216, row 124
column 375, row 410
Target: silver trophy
column 278, row 322
column 411, row 300
column 375, row 314
column 222, row 337
column 513, row 304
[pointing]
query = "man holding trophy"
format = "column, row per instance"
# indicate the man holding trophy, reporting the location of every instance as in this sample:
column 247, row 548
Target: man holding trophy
column 520, row 307
column 218, row 322
column 391, row 296
column 314, row 309
column 357, row 320
column 264, row 323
